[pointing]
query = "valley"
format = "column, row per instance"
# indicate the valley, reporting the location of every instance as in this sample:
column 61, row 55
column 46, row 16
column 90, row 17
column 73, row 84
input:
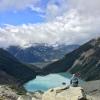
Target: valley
column 36, row 76
column 49, row 49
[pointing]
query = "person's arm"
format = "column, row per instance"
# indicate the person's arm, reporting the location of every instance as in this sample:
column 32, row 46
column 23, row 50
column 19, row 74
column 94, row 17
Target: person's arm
column 70, row 81
column 77, row 81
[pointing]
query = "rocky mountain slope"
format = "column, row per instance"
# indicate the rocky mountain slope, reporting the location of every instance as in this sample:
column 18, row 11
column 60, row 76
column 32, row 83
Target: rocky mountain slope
column 40, row 52
column 12, row 71
column 85, row 60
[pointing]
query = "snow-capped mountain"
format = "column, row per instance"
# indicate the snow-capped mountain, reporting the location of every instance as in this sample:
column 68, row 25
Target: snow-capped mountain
column 40, row 52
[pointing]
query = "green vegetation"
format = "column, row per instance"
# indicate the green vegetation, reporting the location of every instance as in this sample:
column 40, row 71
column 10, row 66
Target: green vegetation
column 20, row 73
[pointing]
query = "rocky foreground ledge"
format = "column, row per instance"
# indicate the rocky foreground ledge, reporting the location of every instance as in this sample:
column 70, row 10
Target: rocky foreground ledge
column 65, row 93
column 59, row 93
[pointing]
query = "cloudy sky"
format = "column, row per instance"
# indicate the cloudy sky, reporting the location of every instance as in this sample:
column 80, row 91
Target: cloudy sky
column 48, row 21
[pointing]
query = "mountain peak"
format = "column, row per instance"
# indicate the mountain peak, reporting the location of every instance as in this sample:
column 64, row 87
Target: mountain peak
column 95, row 41
column 41, row 52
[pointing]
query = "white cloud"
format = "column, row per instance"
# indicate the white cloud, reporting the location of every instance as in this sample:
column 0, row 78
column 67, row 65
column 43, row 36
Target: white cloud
column 37, row 9
column 17, row 4
column 77, row 23
column 55, row 8
column 89, row 7
column 68, row 29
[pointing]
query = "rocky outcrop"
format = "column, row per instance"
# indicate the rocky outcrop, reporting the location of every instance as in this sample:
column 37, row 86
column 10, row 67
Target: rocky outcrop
column 31, row 96
column 6, row 93
column 59, row 93
column 65, row 93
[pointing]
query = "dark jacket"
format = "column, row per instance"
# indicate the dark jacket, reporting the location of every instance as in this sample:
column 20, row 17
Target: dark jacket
column 74, row 81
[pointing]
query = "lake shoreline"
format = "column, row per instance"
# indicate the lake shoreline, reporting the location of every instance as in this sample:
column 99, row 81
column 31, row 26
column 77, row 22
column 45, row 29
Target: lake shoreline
column 43, row 83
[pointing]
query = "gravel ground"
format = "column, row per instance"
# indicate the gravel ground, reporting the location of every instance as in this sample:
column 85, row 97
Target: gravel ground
column 92, row 88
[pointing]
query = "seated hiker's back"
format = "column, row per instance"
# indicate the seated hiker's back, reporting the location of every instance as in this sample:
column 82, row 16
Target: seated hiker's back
column 74, row 81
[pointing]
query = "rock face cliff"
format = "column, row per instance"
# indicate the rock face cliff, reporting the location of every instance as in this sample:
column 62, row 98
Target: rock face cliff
column 85, row 60
column 88, row 63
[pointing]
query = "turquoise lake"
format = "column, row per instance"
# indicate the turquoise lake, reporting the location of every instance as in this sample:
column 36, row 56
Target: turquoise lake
column 43, row 83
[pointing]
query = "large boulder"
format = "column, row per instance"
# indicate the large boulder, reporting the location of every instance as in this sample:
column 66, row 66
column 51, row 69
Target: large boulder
column 65, row 93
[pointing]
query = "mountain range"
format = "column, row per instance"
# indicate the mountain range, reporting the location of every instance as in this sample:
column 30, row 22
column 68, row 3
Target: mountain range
column 84, row 60
column 40, row 52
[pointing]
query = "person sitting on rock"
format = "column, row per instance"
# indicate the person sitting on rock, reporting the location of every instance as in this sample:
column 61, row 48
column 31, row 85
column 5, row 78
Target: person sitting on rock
column 74, row 81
